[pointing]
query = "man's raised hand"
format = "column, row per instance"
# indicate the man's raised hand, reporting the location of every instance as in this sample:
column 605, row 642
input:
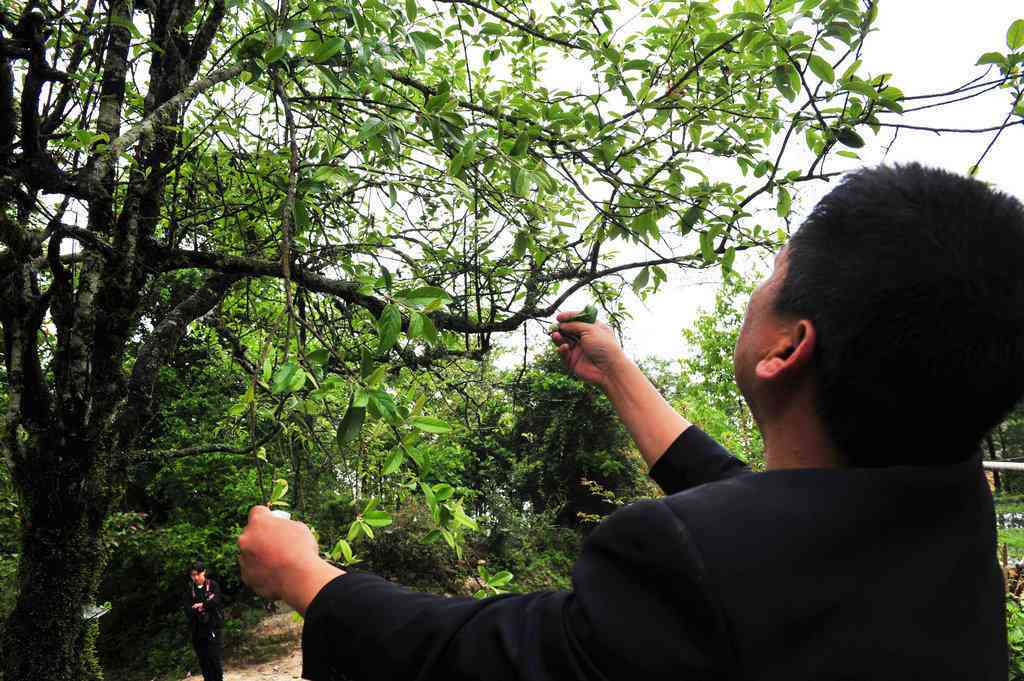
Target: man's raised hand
column 589, row 350
column 280, row 559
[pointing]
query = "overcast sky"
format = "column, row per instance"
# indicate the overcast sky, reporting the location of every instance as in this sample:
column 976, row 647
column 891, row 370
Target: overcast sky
column 929, row 47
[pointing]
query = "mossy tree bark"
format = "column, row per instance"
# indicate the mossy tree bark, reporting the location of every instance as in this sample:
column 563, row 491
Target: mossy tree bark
column 75, row 403
column 63, row 556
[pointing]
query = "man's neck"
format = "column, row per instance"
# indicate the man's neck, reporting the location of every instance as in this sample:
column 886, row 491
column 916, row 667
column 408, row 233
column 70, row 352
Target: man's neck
column 798, row 440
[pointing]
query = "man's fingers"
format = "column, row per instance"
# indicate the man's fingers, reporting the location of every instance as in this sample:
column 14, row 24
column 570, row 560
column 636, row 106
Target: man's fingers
column 257, row 511
column 568, row 314
column 578, row 328
column 559, row 339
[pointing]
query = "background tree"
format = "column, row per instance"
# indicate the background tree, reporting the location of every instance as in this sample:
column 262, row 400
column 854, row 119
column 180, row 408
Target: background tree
column 338, row 190
column 705, row 389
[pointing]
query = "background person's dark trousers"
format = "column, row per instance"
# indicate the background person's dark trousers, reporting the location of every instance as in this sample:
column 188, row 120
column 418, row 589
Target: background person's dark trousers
column 210, row 653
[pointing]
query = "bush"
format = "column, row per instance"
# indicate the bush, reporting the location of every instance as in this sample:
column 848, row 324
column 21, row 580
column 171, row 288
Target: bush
column 146, row 579
column 1015, row 637
column 537, row 550
column 397, row 552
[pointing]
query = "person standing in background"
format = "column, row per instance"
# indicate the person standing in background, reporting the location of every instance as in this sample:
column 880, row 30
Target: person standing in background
column 205, row 619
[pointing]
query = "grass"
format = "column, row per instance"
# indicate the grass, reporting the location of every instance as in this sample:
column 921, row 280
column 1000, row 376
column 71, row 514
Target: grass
column 1010, row 503
column 1014, row 540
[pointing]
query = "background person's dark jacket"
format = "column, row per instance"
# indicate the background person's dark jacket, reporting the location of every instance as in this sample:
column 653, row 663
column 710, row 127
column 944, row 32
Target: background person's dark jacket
column 202, row 625
column 818, row 574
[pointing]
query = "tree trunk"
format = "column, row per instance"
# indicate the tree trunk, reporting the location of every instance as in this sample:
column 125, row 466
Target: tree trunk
column 62, row 557
column 996, row 477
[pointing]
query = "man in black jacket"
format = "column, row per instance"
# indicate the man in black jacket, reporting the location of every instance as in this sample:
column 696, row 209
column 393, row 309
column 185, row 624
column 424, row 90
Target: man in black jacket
column 887, row 341
column 203, row 608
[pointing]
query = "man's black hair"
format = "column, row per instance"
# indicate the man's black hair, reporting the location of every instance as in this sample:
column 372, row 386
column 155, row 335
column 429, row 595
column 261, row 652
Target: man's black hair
column 197, row 566
column 914, row 280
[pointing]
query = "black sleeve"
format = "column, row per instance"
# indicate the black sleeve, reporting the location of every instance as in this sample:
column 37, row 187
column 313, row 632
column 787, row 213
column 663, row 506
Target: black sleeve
column 638, row 610
column 213, row 600
column 189, row 612
column 694, row 459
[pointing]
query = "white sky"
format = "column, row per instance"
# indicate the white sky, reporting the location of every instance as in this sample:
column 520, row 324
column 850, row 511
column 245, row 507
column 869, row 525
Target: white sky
column 929, row 47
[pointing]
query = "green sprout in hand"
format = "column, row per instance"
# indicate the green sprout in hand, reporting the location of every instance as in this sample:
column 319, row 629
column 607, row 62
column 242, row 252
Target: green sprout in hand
column 587, row 316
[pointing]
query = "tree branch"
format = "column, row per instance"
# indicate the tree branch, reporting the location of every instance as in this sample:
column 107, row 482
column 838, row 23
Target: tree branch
column 161, row 343
column 525, row 28
column 143, row 455
column 148, row 126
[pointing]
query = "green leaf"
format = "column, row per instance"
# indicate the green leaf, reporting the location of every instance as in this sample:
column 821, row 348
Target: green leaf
column 500, row 579
column 436, row 102
column 521, row 243
column 992, row 58
column 728, row 259
column 521, row 146
column 1015, row 35
column 431, row 537
column 492, row 28
column 301, row 216
column 394, row 462
column 691, row 217
column 849, row 137
column 707, row 248
column 860, row 87
column 370, row 128
column 430, row 424
column 343, row 550
column 415, row 325
column 460, row 516
column 426, row 41
column 383, row 406
column 784, row 203
column 442, row 491
column 781, row 79
column 430, row 331
column 641, row 279
column 274, row 53
column 127, row 23
column 821, row 68
column 318, row 356
column 328, row 49
column 288, row 378
column 374, row 380
column 354, row 529
column 389, row 326
column 423, row 296
column 351, row 424
column 637, row 65
column 329, row 174
column 377, row 518
column 278, row 491
column 410, row 9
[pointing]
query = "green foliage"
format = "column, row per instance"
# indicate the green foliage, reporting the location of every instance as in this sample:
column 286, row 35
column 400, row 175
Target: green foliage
column 568, row 436
column 534, row 547
column 1015, row 637
column 9, row 526
column 1013, row 539
column 706, row 390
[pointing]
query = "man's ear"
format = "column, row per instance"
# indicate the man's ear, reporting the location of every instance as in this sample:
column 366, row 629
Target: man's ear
column 791, row 354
